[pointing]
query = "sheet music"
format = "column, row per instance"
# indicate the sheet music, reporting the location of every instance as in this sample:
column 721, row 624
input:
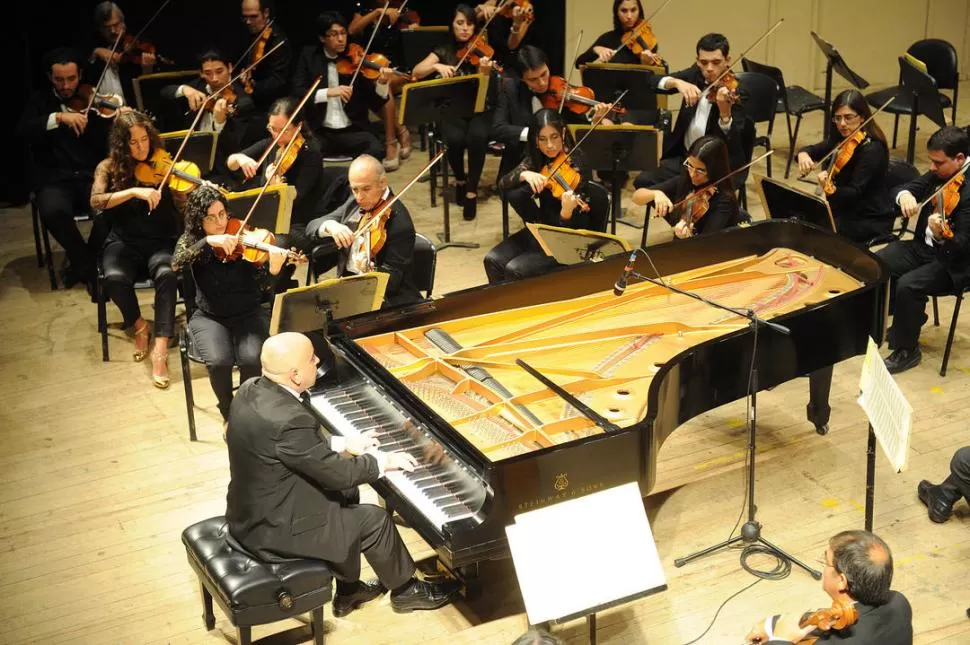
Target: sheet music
column 889, row 412
column 610, row 527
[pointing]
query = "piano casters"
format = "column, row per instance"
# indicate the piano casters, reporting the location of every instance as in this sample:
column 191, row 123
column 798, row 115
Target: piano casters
column 750, row 530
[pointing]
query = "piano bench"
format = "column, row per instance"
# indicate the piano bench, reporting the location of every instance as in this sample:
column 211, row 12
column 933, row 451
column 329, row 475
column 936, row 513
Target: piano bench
column 249, row 591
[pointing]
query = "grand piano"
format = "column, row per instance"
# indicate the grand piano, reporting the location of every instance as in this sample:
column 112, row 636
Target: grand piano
column 439, row 379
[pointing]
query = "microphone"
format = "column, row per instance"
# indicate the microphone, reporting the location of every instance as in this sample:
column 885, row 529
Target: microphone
column 620, row 286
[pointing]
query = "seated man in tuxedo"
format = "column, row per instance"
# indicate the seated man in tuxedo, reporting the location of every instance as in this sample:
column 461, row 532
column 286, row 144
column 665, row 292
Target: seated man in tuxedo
column 701, row 114
column 109, row 22
column 233, row 120
column 341, row 120
column 292, row 489
column 859, row 570
column 520, row 98
column 368, row 185
column 66, row 146
column 270, row 80
column 936, row 261
column 940, row 498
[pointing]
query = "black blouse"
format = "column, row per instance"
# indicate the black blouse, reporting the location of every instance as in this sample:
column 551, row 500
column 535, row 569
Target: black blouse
column 306, row 175
column 222, row 289
column 722, row 210
column 551, row 207
column 860, row 187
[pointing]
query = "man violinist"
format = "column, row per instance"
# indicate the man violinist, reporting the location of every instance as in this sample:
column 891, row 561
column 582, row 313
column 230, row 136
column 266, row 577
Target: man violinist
column 66, row 145
column 231, row 114
column 109, row 23
column 341, row 120
column 936, row 261
column 718, row 115
column 270, row 80
column 368, row 183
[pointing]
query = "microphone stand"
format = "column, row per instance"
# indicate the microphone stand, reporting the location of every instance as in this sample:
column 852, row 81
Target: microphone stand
column 750, row 530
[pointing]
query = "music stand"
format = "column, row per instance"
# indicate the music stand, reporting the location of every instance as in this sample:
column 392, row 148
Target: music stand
column 429, row 102
column 782, row 201
column 273, row 210
column 925, row 97
column 835, row 62
column 618, row 148
column 308, row 309
column 417, row 42
column 609, row 80
column 576, row 246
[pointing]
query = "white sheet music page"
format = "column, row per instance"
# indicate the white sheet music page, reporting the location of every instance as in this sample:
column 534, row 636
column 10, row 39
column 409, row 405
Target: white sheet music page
column 552, row 549
column 889, row 412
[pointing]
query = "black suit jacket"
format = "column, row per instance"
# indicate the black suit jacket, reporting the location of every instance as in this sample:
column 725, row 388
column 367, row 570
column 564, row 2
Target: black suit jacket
column 311, row 63
column 889, row 624
column 60, row 155
column 395, row 258
column 953, row 253
column 739, row 137
column 514, row 111
column 284, row 493
column 271, row 78
column 306, row 175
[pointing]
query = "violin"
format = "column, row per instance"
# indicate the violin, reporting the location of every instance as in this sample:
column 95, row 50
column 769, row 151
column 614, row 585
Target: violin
column 840, row 615
column 258, row 53
column 696, row 206
column 227, row 94
column 562, row 178
column 369, row 238
column 641, row 39
column 104, row 105
column 371, row 68
column 508, row 9
column 951, row 197
column 185, row 176
column 132, row 50
column 579, row 98
column 845, row 153
column 728, row 80
column 255, row 244
column 476, row 49
column 285, row 158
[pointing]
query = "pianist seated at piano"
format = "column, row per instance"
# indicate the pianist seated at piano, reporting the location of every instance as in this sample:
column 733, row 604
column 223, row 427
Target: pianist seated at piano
column 293, row 488
column 699, row 200
column 350, row 251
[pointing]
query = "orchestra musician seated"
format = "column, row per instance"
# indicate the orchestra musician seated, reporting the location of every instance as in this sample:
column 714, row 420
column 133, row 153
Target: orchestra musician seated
column 709, row 111
column 231, row 114
column 706, row 198
column 229, row 324
column 940, row 498
column 348, row 236
column 584, row 205
column 109, row 24
column 858, row 571
column 855, row 184
column 514, row 19
column 340, row 111
column 293, row 488
column 144, row 226
column 66, row 143
column 608, row 48
column 936, row 261
column 270, row 80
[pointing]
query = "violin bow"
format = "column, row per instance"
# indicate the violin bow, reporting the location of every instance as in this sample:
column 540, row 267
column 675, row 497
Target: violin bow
column 97, row 87
column 289, row 121
column 565, row 92
column 698, row 189
column 745, row 52
column 956, row 175
column 259, row 37
column 266, row 184
column 474, row 39
column 648, row 19
column 365, row 224
column 585, row 136
column 373, row 33
column 835, row 150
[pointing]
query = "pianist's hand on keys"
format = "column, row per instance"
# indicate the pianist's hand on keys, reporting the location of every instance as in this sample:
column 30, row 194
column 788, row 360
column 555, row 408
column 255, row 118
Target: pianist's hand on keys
column 358, row 444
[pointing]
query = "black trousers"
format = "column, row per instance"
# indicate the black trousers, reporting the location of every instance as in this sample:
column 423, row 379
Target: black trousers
column 224, row 342
column 518, row 257
column 57, row 204
column 124, row 264
column 470, row 134
column 958, row 483
column 916, row 274
column 380, row 544
column 351, row 141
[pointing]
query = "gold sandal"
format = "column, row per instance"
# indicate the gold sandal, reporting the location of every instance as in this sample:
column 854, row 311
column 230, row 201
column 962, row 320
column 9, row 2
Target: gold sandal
column 160, row 359
column 141, row 332
column 404, row 139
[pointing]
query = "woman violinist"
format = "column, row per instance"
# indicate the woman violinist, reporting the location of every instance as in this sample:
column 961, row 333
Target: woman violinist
column 462, row 133
column 705, row 195
column 856, row 176
column 508, row 29
column 144, row 226
column 610, row 48
column 583, row 206
column 229, row 324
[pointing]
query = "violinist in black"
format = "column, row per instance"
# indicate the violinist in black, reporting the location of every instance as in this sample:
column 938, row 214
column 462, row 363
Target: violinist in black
column 506, row 31
column 349, row 254
column 229, row 323
column 860, row 200
column 608, row 48
column 520, row 256
column 270, row 80
column 66, row 146
column 712, row 207
column 109, row 22
column 144, row 225
column 462, row 133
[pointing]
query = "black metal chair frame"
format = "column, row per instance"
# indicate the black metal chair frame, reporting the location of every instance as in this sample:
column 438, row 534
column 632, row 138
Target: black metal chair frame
column 42, row 241
column 765, row 139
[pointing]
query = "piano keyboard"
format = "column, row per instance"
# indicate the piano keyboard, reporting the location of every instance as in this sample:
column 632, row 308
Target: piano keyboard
column 439, row 488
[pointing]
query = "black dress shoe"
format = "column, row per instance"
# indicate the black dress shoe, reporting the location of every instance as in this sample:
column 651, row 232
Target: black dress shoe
column 469, row 209
column 937, row 502
column 343, row 604
column 903, row 359
column 424, row 595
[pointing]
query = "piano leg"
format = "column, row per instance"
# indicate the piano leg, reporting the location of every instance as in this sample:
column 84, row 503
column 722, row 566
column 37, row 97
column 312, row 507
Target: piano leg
column 818, row 411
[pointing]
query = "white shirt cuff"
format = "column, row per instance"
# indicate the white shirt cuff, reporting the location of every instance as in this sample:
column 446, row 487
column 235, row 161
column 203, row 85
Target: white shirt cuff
column 320, row 96
column 52, row 121
column 381, row 89
column 524, row 135
column 901, row 193
column 381, row 460
column 663, row 82
column 219, row 126
column 180, row 92
column 338, row 444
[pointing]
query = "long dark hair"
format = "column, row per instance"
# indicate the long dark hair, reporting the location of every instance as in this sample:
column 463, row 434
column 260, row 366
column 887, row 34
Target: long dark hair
column 855, row 101
column 122, row 172
column 713, row 152
column 469, row 12
column 617, row 27
column 541, row 119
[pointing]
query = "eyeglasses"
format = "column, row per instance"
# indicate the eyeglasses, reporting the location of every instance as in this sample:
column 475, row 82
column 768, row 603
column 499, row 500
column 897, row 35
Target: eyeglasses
column 694, row 169
column 273, row 131
column 824, row 561
column 845, row 118
column 218, row 217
